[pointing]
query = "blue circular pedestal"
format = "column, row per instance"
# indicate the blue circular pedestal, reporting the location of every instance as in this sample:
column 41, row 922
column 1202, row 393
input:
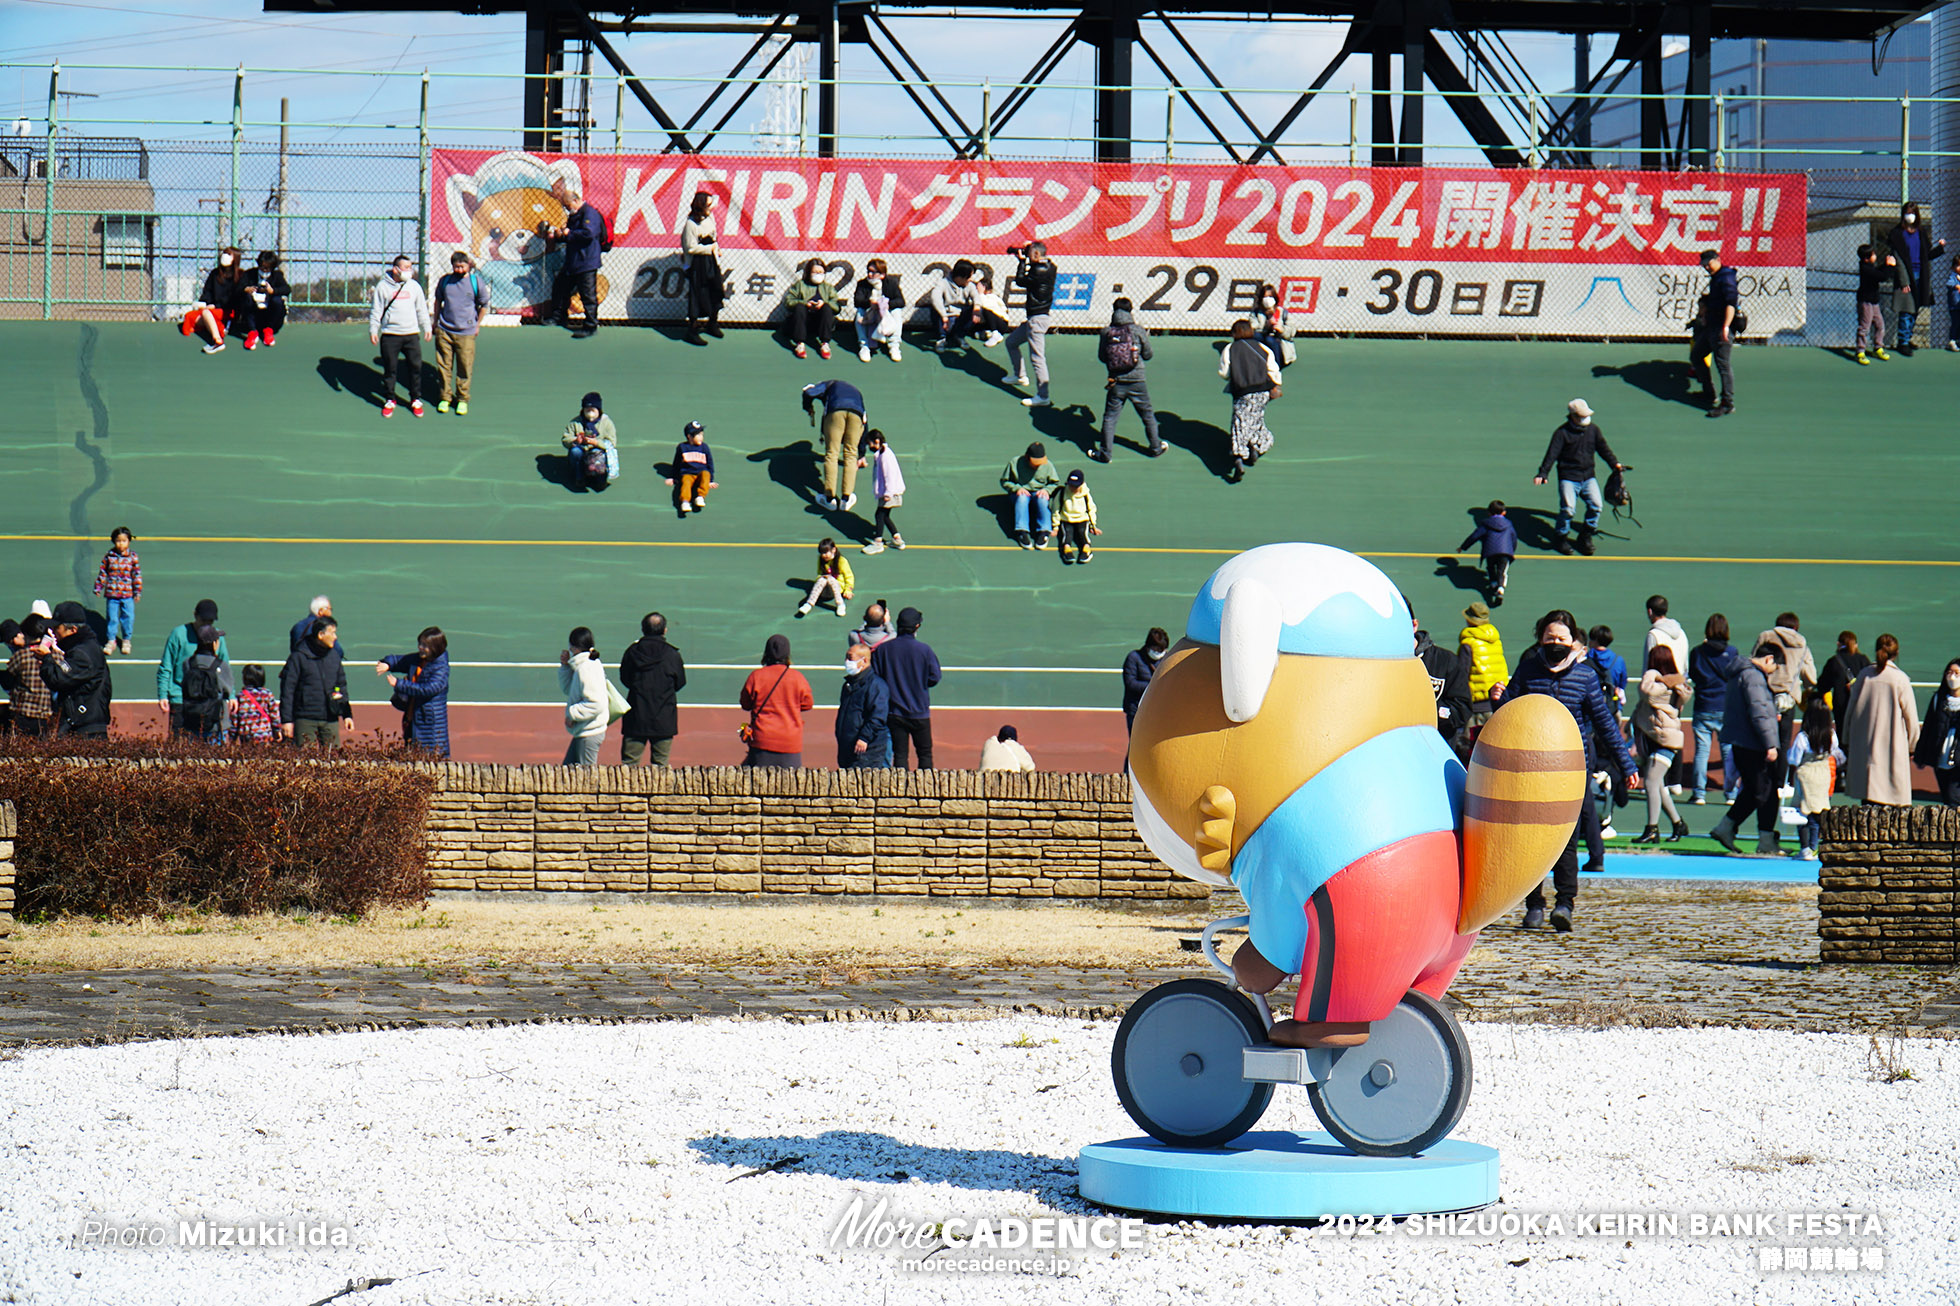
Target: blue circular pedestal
column 1282, row 1175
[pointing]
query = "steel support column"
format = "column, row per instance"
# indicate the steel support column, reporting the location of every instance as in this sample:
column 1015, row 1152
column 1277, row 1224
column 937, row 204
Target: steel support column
column 545, row 33
column 1582, row 109
column 1695, row 101
column 1653, row 110
column 1381, row 106
column 1114, row 37
column 830, row 45
column 1414, row 46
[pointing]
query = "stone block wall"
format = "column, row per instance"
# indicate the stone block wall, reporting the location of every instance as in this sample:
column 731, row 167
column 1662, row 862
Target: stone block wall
column 730, row 830
column 1889, row 885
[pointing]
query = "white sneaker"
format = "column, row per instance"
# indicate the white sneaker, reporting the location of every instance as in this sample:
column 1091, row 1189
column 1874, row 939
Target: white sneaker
column 1675, row 790
column 1608, row 832
column 1021, row 378
column 876, row 546
column 994, row 338
column 218, row 348
column 840, row 608
column 803, row 610
column 1810, row 854
column 700, row 502
column 1952, row 347
column 898, row 542
column 898, row 355
column 848, row 504
column 864, row 353
column 685, row 509
column 1038, row 401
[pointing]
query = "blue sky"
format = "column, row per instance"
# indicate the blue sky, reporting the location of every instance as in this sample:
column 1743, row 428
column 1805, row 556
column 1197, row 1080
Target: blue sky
column 179, row 103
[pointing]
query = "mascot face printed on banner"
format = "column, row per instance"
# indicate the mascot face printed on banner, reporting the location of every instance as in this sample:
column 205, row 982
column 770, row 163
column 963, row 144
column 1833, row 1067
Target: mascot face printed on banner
column 501, row 207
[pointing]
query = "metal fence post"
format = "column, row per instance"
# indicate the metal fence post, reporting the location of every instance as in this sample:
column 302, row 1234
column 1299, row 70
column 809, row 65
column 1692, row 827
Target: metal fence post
column 803, row 121
column 1531, row 109
column 987, row 118
column 422, row 177
column 619, row 109
column 47, row 196
column 1905, row 148
column 237, row 140
column 1170, row 123
column 1721, row 133
column 1354, row 125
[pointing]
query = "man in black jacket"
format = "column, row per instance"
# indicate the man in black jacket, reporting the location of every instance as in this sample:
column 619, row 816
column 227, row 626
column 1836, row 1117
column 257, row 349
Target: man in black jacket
column 1035, row 275
column 1714, row 333
column 313, row 689
column 77, row 671
column 652, row 673
column 1123, row 350
column 1449, row 681
column 1573, row 449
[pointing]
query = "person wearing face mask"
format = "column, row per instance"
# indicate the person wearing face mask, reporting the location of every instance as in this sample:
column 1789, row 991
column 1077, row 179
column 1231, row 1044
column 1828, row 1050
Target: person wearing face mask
column 863, row 739
column 1272, row 326
column 1557, row 666
column 1139, row 665
column 1915, row 249
column 1575, row 447
column 1939, row 738
column 216, row 304
column 399, row 321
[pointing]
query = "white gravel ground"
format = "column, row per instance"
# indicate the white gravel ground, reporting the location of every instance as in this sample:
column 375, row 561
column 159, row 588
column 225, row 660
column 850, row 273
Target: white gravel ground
column 593, row 1164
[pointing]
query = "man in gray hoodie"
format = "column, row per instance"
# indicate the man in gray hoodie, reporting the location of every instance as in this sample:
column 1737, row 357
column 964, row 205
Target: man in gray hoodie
column 1124, row 349
column 398, row 321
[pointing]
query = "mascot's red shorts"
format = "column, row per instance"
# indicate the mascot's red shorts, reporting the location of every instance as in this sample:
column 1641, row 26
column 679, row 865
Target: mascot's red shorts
column 190, row 320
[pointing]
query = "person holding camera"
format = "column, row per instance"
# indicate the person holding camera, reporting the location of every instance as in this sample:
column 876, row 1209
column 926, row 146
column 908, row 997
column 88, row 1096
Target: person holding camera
column 1035, row 275
column 586, row 240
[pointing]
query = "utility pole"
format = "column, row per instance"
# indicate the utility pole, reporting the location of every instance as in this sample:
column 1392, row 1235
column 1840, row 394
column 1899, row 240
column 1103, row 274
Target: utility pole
column 285, row 106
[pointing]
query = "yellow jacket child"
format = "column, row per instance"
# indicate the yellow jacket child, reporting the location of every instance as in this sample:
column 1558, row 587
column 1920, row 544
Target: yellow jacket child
column 1075, row 516
column 1486, row 651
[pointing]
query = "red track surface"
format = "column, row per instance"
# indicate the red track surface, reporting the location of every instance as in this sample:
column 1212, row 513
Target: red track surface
column 1068, row 740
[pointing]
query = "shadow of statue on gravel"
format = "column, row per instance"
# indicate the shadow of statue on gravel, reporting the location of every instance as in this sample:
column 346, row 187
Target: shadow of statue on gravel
column 879, row 1158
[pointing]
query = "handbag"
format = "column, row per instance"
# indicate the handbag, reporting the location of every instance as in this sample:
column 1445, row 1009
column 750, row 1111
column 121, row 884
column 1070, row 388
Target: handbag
column 616, row 704
column 746, row 732
column 1288, row 355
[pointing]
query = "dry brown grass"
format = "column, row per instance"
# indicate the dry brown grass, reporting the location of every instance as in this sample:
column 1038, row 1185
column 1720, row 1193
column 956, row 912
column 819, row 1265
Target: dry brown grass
column 802, row 933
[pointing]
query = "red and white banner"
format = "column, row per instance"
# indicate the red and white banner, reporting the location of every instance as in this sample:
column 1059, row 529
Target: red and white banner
column 1446, row 251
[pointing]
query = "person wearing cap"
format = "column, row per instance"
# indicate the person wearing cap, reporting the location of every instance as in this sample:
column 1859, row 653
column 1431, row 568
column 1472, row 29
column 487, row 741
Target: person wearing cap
column 321, row 606
column 1497, row 539
column 694, row 469
column 177, row 650
column 313, row 689
column 1714, row 333
column 910, row 667
column 1031, row 479
column 32, row 707
column 461, row 299
column 1482, row 651
column 1075, row 513
column 1575, row 447
column 591, row 444
column 77, row 670
column 843, row 428
column 1006, row 752
column 207, row 687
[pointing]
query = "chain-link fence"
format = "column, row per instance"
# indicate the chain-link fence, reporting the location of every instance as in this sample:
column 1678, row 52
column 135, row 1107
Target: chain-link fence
column 106, row 226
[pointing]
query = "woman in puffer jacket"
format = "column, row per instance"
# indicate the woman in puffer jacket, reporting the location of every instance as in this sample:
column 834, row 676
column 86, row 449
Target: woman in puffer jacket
column 1657, row 723
column 582, row 679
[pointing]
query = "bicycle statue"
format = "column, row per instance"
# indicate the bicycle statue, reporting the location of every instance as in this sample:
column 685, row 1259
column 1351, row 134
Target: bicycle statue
column 1288, row 746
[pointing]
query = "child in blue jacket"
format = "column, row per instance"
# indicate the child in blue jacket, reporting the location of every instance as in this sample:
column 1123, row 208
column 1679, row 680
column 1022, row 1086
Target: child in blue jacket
column 1499, row 541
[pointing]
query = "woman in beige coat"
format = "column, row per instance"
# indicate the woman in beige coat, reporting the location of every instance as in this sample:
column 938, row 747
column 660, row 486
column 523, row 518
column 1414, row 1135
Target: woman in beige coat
column 1657, row 725
column 1881, row 725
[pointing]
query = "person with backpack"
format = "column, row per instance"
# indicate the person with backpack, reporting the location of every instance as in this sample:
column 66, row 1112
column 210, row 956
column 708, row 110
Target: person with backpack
column 1575, row 449
column 207, row 687
column 398, row 321
column 77, row 670
column 591, row 445
column 461, row 299
column 177, row 650
column 1124, row 349
column 586, row 241
column 255, row 716
column 313, row 689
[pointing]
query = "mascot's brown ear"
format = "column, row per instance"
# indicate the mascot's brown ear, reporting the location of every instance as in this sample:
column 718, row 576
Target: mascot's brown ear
column 1214, row 842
